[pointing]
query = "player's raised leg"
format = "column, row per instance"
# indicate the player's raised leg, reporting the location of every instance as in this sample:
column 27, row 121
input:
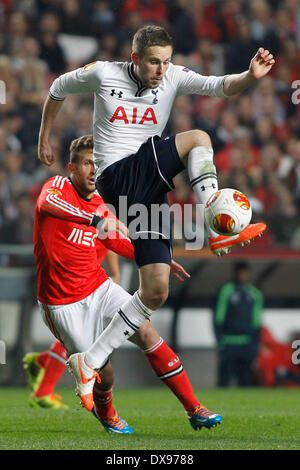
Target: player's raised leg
column 195, row 150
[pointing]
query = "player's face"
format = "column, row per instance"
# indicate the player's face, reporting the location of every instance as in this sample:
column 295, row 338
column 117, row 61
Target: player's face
column 83, row 173
column 152, row 66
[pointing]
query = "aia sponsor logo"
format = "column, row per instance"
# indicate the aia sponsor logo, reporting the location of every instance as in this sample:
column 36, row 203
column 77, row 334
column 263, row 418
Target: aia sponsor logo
column 131, row 117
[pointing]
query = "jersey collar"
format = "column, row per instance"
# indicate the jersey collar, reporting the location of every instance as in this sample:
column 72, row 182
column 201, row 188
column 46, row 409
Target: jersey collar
column 140, row 87
column 79, row 194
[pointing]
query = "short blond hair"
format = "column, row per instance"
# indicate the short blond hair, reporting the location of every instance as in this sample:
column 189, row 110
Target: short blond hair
column 81, row 143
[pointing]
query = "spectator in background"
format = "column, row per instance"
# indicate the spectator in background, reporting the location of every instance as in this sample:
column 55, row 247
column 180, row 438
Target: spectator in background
column 294, row 10
column 19, row 230
column 224, row 131
column 292, row 178
column 205, row 15
column 74, row 17
column 32, row 74
column 181, row 19
column 284, row 217
column 207, row 58
column 289, row 55
column 266, row 103
column 264, row 132
column 82, row 125
column 262, row 25
column 241, row 142
column 152, row 11
column 284, row 24
column 51, row 51
column 16, row 32
column 229, row 14
column 107, row 48
column 104, row 19
column 12, row 123
column 17, row 180
column 245, row 111
column 124, row 52
column 237, row 322
column 134, row 22
column 241, row 49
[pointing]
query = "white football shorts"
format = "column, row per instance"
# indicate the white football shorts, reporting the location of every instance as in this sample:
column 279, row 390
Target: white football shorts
column 79, row 324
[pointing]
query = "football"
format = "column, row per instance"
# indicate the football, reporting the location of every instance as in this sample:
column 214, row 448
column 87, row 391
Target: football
column 228, row 212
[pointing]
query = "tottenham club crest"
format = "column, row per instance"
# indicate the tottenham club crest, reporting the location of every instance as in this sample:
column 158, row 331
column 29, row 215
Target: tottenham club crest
column 155, row 100
column 114, row 92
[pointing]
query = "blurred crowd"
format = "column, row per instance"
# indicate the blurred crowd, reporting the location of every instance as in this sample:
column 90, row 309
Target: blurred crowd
column 256, row 136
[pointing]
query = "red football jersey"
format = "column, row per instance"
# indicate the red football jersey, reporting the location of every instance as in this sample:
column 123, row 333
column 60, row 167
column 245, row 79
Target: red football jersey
column 66, row 244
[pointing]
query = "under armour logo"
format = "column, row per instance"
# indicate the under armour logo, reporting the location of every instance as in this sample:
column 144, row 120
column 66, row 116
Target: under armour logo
column 155, row 100
column 203, row 188
column 126, row 333
column 113, row 92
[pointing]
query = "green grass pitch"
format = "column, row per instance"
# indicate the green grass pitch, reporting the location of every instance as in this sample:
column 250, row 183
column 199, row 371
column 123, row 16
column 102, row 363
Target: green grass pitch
column 253, row 419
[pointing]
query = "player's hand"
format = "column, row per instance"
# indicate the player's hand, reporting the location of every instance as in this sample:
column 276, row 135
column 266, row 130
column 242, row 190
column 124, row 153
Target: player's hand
column 114, row 225
column 261, row 63
column 45, row 153
column 178, row 271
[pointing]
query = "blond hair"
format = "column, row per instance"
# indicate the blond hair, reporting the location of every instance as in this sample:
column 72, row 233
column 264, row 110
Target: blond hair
column 81, row 143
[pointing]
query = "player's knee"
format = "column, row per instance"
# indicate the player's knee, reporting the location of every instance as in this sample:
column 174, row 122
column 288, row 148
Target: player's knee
column 200, row 138
column 156, row 300
column 155, row 297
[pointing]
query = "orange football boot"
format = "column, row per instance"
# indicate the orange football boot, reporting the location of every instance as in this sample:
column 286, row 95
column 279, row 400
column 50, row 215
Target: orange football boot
column 222, row 244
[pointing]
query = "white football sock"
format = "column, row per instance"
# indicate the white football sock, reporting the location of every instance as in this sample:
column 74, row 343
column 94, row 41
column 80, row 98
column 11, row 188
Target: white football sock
column 124, row 324
column 203, row 176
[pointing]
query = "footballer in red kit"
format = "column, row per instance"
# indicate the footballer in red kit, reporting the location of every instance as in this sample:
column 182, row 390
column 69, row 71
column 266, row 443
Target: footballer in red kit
column 78, row 300
column 65, row 243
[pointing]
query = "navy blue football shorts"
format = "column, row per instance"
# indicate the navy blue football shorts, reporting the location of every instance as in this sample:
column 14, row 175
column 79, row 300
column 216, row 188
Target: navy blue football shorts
column 144, row 179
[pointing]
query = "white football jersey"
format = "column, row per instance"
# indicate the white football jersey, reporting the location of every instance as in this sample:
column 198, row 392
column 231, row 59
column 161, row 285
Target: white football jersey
column 126, row 114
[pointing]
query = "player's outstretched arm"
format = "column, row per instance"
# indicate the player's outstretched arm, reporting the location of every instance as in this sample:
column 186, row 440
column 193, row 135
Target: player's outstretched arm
column 50, row 110
column 259, row 66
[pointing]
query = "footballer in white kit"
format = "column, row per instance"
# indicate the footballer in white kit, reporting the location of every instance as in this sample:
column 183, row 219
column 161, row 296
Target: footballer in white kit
column 128, row 122
column 126, row 114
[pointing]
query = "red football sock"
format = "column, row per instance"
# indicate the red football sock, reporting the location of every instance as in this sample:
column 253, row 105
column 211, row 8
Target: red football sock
column 54, row 369
column 43, row 358
column 103, row 402
column 167, row 366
